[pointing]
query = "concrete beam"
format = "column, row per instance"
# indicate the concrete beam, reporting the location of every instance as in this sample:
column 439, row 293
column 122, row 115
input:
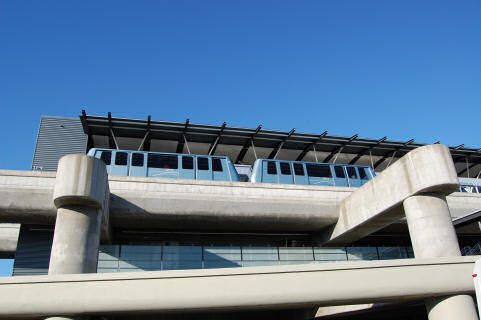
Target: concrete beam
column 26, row 197
column 235, row 289
column 378, row 203
column 8, row 239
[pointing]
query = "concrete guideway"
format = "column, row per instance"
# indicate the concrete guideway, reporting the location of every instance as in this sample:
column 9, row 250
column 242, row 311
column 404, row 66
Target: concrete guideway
column 379, row 202
column 250, row 288
column 26, row 197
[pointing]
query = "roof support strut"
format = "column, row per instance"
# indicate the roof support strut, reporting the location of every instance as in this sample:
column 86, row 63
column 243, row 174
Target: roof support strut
column 276, row 150
column 247, row 144
column 311, row 146
column 182, row 139
column 391, row 153
column 364, row 151
column 339, row 149
column 213, row 146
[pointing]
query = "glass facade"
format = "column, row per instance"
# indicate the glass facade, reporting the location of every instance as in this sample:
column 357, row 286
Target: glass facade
column 125, row 258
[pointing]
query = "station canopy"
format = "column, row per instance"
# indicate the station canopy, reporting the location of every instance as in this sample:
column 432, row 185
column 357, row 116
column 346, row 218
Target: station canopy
column 245, row 145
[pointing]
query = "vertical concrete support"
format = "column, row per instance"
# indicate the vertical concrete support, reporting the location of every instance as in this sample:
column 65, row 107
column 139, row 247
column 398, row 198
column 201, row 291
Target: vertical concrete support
column 433, row 235
column 81, row 197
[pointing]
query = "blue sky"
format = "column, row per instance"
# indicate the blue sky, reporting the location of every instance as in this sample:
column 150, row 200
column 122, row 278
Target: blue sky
column 405, row 69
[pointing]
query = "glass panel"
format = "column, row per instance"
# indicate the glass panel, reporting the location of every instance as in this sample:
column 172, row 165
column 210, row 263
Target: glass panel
column 339, row 172
column 298, row 169
column 187, row 162
column 330, row 254
column 106, row 157
column 259, row 253
column 285, row 168
column 121, row 158
column 271, row 167
column 222, row 253
column 202, row 163
column 318, row 170
column 351, row 172
column 162, row 161
column 296, row 254
column 362, row 173
column 386, row 253
column 216, row 164
column 137, row 160
column 362, row 253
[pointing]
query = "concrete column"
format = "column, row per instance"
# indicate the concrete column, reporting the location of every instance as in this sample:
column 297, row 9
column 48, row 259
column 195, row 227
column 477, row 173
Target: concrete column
column 80, row 195
column 433, row 235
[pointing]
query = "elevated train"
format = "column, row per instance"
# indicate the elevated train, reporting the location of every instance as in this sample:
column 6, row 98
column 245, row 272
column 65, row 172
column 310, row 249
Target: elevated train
column 221, row 168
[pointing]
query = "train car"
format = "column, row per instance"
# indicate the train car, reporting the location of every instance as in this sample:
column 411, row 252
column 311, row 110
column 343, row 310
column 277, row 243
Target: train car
column 166, row 165
column 470, row 185
column 310, row 173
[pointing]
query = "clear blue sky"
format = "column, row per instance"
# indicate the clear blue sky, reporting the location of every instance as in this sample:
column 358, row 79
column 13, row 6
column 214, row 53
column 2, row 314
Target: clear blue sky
column 405, row 69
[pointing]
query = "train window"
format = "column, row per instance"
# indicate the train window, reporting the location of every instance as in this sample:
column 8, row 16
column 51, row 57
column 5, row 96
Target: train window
column 362, row 173
column 339, row 171
column 271, row 167
column 298, row 169
column 318, row 170
column 137, row 160
column 106, row 157
column 285, row 168
column 203, row 163
column 162, row 161
column 216, row 164
column 121, row 158
column 187, row 162
column 351, row 172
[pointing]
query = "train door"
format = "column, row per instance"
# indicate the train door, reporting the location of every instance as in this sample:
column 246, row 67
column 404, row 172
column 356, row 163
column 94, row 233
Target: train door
column 138, row 164
column 354, row 180
column 187, row 170
column 219, row 169
column 364, row 175
column 162, row 165
column 340, row 176
column 319, row 174
column 269, row 172
column 120, row 165
column 204, row 170
column 286, row 173
column 299, row 174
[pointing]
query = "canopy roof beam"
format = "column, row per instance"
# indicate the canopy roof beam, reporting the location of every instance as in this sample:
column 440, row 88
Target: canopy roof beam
column 213, row 146
column 364, row 151
column 311, row 146
column 247, row 144
column 182, row 139
column 276, row 150
column 391, row 154
column 338, row 149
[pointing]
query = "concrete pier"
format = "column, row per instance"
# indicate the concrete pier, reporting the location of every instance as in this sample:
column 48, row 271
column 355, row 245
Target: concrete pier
column 432, row 235
column 81, row 196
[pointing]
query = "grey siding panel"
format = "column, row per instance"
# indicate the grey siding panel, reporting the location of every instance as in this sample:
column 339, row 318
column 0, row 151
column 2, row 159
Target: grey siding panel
column 57, row 137
column 33, row 250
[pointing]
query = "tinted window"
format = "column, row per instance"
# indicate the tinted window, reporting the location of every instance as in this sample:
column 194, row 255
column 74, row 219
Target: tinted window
column 216, row 164
column 121, row 158
column 106, row 157
column 162, row 161
column 362, row 173
column 271, row 167
column 298, row 169
column 285, row 168
column 339, row 172
column 137, row 160
column 203, row 163
column 318, row 170
column 187, row 162
column 351, row 172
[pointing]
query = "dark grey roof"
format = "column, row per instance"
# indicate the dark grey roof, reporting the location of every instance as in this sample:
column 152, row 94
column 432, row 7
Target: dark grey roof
column 289, row 145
